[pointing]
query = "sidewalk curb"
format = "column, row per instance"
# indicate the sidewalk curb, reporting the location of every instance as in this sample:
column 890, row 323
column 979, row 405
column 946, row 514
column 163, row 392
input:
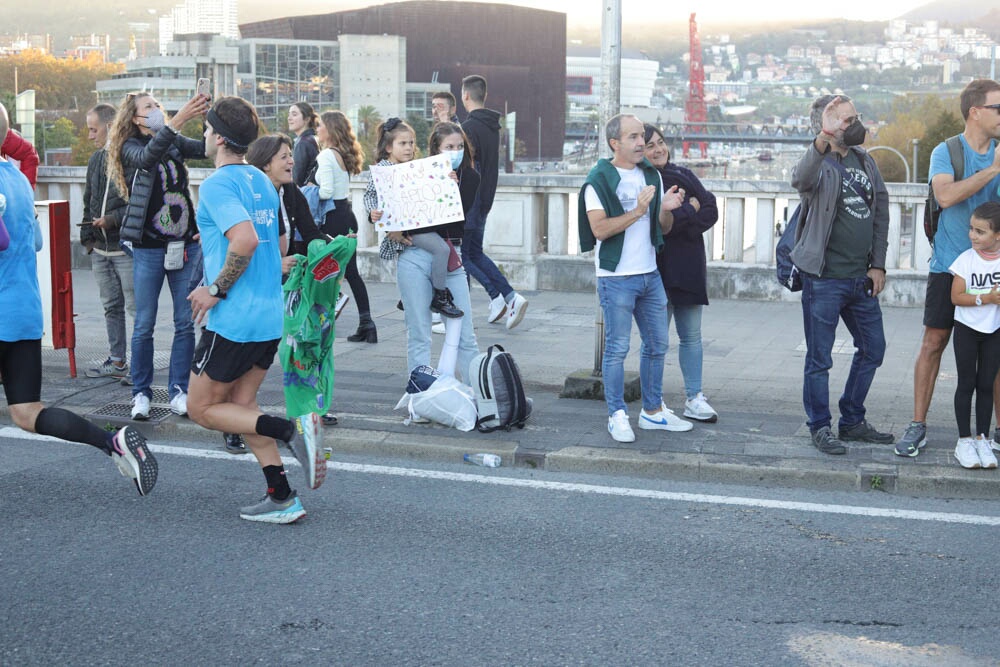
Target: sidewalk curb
column 832, row 475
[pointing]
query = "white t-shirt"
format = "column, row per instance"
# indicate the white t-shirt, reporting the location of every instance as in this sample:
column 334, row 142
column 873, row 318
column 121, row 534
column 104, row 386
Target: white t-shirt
column 638, row 253
column 980, row 275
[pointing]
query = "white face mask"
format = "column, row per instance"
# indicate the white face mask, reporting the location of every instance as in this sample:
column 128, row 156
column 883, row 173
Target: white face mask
column 154, row 119
column 456, row 157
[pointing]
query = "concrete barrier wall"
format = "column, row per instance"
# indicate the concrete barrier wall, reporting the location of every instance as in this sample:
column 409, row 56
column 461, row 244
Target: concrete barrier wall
column 532, row 234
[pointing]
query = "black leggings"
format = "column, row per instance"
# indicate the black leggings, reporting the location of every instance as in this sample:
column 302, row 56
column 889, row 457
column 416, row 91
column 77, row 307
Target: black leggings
column 977, row 359
column 340, row 222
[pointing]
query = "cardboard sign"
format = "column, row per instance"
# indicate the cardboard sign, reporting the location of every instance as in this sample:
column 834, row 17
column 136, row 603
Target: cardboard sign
column 416, row 194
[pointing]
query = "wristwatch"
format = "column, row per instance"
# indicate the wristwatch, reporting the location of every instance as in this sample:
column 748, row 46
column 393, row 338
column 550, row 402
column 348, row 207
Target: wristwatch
column 214, row 290
column 979, row 300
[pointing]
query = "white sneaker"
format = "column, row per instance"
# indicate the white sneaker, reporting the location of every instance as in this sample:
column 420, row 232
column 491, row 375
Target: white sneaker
column 516, row 310
column 437, row 326
column 497, row 309
column 698, row 408
column 140, row 407
column 341, row 302
column 619, row 427
column 664, row 419
column 966, row 453
column 985, row 452
column 179, row 403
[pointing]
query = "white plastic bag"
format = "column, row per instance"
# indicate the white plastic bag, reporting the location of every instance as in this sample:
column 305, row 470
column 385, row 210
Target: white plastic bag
column 447, row 401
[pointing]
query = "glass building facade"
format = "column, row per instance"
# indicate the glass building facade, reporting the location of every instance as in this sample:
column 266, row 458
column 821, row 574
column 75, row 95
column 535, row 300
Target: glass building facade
column 274, row 73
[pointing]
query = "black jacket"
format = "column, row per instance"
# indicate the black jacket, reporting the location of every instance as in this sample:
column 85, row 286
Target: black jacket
column 140, row 155
column 304, row 154
column 93, row 200
column 299, row 218
column 483, row 129
column 682, row 261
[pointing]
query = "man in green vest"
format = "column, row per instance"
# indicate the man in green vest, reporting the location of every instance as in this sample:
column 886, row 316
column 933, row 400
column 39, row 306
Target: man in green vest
column 623, row 214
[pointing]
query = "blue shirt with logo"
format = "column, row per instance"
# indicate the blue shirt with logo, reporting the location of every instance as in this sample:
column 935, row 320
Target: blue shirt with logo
column 252, row 309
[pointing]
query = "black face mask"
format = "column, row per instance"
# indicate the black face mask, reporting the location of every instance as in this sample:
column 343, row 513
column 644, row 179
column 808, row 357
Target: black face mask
column 855, row 133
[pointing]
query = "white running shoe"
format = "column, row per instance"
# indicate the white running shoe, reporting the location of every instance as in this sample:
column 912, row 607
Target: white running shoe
column 497, row 309
column 985, row 452
column 966, row 453
column 697, row 408
column 516, row 310
column 140, row 407
column 664, row 420
column 619, row 427
column 437, row 326
column 179, row 403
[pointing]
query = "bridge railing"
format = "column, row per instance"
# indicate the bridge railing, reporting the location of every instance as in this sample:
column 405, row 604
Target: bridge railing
column 532, row 233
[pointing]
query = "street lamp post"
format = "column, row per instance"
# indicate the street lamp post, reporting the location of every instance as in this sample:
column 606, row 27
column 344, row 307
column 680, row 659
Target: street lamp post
column 916, row 177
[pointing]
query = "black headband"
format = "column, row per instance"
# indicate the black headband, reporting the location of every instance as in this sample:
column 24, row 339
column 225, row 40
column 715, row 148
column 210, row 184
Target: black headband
column 231, row 137
column 391, row 124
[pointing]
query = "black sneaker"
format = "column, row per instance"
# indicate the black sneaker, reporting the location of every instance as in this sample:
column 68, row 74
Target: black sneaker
column 863, row 432
column 235, row 444
column 827, row 442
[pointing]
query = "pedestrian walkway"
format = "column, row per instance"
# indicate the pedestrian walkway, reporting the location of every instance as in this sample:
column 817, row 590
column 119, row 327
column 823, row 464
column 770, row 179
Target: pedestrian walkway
column 752, row 376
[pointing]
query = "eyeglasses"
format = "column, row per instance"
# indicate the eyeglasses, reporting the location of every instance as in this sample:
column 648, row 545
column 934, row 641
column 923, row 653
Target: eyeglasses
column 995, row 107
column 852, row 119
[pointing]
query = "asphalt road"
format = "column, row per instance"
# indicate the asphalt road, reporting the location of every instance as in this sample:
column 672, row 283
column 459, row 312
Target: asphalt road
column 458, row 565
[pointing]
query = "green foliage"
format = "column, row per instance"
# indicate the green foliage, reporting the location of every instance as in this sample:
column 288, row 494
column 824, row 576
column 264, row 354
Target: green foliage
column 908, row 120
column 422, row 129
column 83, row 148
column 58, row 83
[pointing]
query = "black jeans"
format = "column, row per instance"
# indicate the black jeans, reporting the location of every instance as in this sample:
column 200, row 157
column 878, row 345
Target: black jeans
column 977, row 359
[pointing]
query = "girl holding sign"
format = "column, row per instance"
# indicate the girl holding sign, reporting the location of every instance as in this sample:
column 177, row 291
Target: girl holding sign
column 341, row 158
column 397, row 145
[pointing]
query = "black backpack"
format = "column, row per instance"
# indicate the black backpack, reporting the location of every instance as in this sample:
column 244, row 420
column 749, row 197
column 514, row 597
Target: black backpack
column 788, row 273
column 932, row 212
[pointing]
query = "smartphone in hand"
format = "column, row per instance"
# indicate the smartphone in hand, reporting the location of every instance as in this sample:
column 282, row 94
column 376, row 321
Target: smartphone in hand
column 869, row 286
column 205, row 88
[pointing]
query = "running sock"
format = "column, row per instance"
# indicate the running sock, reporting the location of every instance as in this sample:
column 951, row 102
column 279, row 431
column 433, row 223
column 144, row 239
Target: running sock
column 275, row 427
column 277, row 482
column 70, row 426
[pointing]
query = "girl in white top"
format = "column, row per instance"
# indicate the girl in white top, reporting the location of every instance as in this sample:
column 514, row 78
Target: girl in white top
column 975, row 291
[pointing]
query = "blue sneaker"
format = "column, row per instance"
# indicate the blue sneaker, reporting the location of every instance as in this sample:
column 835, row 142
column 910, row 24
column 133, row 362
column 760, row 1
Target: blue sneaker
column 663, row 419
column 270, row 510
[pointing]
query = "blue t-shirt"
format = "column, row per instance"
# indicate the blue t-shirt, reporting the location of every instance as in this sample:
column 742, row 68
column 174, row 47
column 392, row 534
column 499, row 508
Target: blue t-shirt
column 252, row 309
column 952, row 237
column 20, row 298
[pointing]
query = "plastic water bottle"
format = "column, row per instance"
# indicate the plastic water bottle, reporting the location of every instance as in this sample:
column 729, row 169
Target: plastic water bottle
column 487, row 460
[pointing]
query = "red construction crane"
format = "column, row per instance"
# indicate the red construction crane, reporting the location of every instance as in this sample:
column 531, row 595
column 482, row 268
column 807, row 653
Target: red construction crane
column 695, row 111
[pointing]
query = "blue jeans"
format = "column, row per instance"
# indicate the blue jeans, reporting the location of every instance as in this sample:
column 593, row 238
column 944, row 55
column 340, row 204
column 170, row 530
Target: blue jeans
column 413, row 276
column 622, row 298
column 687, row 320
column 148, row 282
column 824, row 302
column 475, row 260
column 113, row 274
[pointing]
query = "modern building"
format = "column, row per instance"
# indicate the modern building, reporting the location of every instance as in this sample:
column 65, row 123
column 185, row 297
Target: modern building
column 199, row 16
column 353, row 72
column 173, row 77
column 583, row 77
column 520, row 51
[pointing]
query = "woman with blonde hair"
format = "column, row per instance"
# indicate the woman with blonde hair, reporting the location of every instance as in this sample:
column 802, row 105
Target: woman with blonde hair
column 340, row 158
column 146, row 154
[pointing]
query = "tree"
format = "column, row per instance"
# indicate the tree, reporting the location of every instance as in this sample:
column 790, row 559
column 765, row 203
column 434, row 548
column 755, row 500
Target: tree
column 908, row 121
column 58, row 83
column 60, row 134
column 368, row 120
column 83, row 148
column 422, row 130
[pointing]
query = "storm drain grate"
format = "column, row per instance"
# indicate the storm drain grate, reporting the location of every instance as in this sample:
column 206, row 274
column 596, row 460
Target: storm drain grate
column 120, row 414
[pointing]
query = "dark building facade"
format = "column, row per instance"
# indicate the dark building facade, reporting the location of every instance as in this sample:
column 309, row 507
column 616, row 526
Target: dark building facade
column 520, row 51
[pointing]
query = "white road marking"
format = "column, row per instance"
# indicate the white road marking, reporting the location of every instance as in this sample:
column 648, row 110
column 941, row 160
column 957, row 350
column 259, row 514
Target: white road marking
column 648, row 494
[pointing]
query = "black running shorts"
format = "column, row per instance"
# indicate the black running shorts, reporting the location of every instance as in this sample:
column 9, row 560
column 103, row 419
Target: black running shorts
column 939, row 311
column 21, row 366
column 225, row 361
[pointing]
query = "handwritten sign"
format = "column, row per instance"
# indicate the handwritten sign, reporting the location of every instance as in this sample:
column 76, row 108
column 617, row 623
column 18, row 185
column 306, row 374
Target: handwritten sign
column 416, row 194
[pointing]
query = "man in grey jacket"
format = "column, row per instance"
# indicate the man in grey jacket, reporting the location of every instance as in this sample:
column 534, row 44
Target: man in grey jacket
column 840, row 249
column 103, row 210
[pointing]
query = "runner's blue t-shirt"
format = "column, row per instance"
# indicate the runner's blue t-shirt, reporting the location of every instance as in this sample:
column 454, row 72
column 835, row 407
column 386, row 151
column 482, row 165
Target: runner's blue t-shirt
column 20, row 298
column 252, row 309
column 952, row 237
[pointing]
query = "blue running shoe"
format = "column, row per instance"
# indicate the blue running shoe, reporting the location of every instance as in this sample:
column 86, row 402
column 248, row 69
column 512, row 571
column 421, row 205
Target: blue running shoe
column 270, row 510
